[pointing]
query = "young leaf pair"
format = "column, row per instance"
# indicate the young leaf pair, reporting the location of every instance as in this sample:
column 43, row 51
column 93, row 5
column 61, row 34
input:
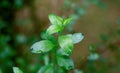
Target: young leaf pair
column 58, row 24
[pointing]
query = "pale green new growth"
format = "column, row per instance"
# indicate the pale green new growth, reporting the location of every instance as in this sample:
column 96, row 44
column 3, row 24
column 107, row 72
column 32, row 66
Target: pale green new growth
column 58, row 24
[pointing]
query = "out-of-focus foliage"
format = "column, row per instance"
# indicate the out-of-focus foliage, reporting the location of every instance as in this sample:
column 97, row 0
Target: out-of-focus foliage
column 109, row 45
column 6, row 36
column 80, row 9
column 10, row 41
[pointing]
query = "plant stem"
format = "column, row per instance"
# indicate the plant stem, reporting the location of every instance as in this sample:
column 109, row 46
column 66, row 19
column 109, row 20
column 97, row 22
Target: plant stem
column 55, row 60
column 46, row 59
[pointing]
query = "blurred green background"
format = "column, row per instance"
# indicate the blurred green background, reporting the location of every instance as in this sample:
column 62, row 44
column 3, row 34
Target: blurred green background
column 22, row 21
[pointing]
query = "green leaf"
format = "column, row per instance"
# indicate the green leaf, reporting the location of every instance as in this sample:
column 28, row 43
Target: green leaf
column 78, row 71
column 93, row 56
column 55, row 20
column 18, row 3
column 17, row 70
column 57, row 24
column 92, row 48
column 53, row 29
column 77, row 37
column 104, row 37
column 102, row 5
column 67, row 3
column 60, row 19
column 0, row 71
column 42, row 46
column 65, row 62
column 60, row 70
column 67, row 21
column 47, row 36
column 46, row 69
column 66, row 43
column 46, row 59
column 61, row 52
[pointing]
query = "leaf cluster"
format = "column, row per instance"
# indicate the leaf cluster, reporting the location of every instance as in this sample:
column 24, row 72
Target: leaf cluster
column 60, row 46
